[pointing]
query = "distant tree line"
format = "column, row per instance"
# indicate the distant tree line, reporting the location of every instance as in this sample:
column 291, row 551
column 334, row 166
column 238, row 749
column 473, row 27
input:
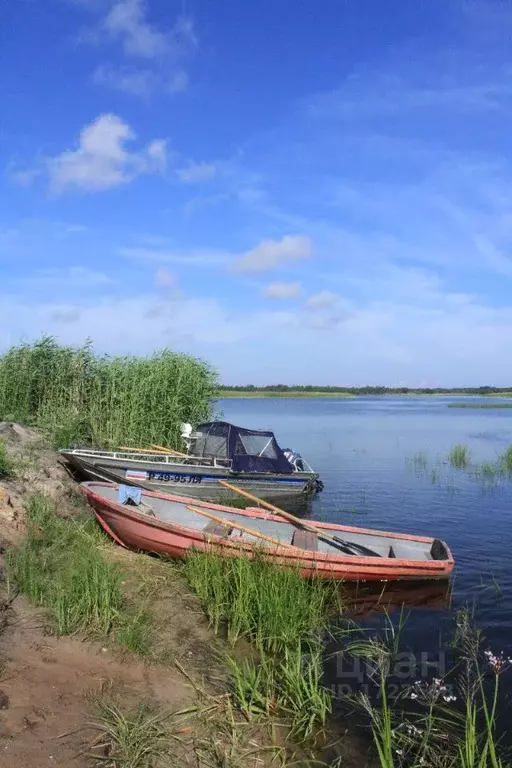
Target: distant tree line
column 368, row 390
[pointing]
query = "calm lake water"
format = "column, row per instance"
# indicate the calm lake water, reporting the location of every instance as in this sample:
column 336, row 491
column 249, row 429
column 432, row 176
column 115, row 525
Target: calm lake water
column 384, row 464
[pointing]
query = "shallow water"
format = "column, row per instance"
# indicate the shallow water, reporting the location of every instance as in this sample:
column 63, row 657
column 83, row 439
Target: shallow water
column 384, row 464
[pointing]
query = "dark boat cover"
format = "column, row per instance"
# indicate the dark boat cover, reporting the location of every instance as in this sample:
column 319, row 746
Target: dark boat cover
column 249, row 450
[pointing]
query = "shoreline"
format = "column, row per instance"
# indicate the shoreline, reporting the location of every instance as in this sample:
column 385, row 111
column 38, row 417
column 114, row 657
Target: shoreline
column 297, row 394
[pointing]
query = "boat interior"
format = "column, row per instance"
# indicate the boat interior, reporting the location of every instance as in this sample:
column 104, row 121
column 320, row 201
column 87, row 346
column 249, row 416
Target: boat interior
column 347, row 543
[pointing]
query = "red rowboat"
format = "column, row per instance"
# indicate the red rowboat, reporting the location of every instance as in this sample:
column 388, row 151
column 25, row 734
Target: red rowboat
column 168, row 524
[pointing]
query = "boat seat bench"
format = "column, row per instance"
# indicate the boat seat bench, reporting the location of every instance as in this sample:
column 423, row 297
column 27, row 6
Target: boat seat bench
column 305, row 540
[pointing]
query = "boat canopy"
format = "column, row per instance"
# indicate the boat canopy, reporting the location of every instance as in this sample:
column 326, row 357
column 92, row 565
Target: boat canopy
column 249, row 450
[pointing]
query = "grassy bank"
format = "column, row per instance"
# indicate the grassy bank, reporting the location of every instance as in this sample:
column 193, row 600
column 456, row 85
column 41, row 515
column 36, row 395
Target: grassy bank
column 59, row 566
column 80, row 397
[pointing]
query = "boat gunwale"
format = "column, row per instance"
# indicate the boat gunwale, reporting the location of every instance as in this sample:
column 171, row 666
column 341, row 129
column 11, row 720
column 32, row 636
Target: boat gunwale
column 286, row 551
column 82, row 454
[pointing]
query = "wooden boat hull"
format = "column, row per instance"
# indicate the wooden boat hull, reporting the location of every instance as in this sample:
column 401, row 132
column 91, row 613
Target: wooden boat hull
column 139, row 531
column 187, row 479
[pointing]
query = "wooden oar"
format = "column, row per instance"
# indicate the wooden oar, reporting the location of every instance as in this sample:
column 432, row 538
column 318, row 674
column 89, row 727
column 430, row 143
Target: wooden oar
column 333, row 540
column 140, row 450
column 169, row 450
column 239, row 527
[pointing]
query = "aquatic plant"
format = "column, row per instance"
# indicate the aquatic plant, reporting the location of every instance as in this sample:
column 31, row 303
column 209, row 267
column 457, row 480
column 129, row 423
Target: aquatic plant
column 419, row 461
column 79, row 397
column 484, row 406
column 459, row 456
column 505, row 461
column 452, row 723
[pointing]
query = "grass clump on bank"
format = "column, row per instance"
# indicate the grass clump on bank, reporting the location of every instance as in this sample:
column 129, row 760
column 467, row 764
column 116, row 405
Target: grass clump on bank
column 59, row 566
column 282, row 616
column 134, row 738
column 6, row 463
column 80, row 397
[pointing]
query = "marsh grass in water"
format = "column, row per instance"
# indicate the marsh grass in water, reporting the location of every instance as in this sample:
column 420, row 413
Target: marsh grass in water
column 435, row 722
column 59, row 565
column 459, row 456
column 484, row 406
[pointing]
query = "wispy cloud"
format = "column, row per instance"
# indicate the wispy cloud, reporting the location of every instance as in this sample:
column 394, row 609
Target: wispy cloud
column 164, row 278
column 321, row 300
column 282, row 291
column 164, row 51
column 186, row 258
column 197, row 172
column 270, row 254
column 139, row 82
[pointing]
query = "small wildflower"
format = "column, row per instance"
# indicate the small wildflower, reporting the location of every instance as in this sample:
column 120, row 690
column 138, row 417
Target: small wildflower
column 498, row 663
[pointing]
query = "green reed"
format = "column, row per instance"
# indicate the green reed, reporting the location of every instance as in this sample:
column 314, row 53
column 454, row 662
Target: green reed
column 459, row 456
column 80, row 397
column 259, row 601
column 282, row 615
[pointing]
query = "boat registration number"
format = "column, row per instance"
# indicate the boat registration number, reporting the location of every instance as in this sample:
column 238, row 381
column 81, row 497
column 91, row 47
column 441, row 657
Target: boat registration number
column 172, row 477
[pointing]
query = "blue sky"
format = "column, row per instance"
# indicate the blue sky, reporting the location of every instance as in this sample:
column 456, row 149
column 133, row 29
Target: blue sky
column 297, row 190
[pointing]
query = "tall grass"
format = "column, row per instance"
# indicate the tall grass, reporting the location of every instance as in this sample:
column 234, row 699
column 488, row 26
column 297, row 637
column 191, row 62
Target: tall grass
column 79, row 396
column 60, row 566
column 282, row 616
column 254, row 599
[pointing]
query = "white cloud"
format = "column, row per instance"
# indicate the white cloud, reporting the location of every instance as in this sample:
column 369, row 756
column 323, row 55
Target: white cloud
column 164, row 278
column 270, row 254
column 127, row 22
column 139, row 82
column 164, row 49
column 197, row 172
column 321, row 300
column 179, row 81
column 282, row 290
column 102, row 160
column 389, row 339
